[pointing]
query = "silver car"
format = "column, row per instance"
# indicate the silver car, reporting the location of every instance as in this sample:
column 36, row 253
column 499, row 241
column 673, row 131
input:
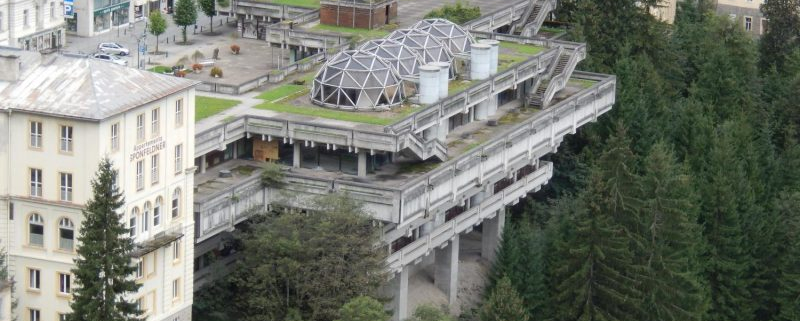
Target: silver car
column 113, row 48
column 109, row 58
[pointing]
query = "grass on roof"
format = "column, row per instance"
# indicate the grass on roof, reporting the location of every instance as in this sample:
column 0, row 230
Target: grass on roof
column 521, row 49
column 505, row 61
column 281, row 92
column 583, row 83
column 363, row 33
column 458, row 86
column 356, row 117
column 208, row 106
column 297, row 3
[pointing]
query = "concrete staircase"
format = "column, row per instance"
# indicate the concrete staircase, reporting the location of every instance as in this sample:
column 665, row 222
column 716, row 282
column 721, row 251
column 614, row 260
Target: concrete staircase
column 535, row 15
column 425, row 149
column 557, row 77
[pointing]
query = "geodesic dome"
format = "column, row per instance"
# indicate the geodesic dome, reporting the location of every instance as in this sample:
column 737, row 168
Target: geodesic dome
column 405, row 60
column 357, row 80
column 458, row 40
column 425, row 44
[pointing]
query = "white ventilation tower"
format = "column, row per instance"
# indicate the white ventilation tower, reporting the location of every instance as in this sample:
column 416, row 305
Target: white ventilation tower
column 480, row 61
column 444, row 77
column 493, row 54
column 429, row 84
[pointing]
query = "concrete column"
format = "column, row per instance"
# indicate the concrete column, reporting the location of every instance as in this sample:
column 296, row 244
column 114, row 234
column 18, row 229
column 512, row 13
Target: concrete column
column 296, row 155
column 446, row 270
column 444, row 128
column 362, row 163
column 491, row 104
column 482, row 110
column 203, row 164
column 492, row 234
column 401, row 295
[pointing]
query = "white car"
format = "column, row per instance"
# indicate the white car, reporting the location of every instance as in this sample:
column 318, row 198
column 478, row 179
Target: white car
column 109, row 58
column 113, row 48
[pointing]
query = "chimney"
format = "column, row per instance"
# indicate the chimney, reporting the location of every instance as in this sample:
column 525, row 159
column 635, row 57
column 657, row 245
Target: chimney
column 9, row 64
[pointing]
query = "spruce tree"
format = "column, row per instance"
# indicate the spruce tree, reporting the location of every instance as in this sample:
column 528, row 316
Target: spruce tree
column 672, row 288
column 788, row 293
column 781, row 37
column 504, row 304
column 103, row 267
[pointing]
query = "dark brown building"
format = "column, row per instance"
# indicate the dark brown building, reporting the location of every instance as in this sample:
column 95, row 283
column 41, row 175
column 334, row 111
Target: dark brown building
column 367, row 14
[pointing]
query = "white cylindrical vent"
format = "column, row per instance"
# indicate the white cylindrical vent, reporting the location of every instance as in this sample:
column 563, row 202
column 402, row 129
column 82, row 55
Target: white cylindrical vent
column 428, row 84
column 493, row 54
column 444, row 77
column 479, row 64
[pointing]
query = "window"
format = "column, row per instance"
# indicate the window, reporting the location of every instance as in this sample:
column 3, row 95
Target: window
column 176, row 250
column 157, row 212
column 178, row 158
column 36, row 134
column 154, row 116
column 115, row 137
column 132, row 222
column 140, row 268
column 34, row 313
column 154, row 169
column 64, row 283
column 748, row 23
column 36, row 182
column 140, row 127
column 66, row 139
column 66, row 187
column 139, row 304
column 179, row 112
column 34, row 279
column 139, row 175
column 146, row 217
column 176, row 291
column 62, row 317
column 1, row 21
column 66, row 234
column 36, row 230
column 25, row 22
column 763, row 25
column 176, row 203
column 52, row 11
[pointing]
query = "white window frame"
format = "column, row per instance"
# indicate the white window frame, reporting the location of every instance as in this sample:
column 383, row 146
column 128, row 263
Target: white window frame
column 25, row 18
column 178, row 158
column 35, row 131
column 35, row 314
column 34, row 279
column 132, row 222
column 157, row 211
column 115, row 136
column 176, row 203
column 65, row 224
column 155, row 117
column 179, row 112
column 154, row 173
column 748, row 23
column 35, row 175
column 140, row 175
column 52, row 10
column 35, row 219
column 64, row 283
column 65, row 186
column 140, row 132
column 176, row 291
column 176, row 250
column 140, row 268
column 67, row 136
column 146, row 217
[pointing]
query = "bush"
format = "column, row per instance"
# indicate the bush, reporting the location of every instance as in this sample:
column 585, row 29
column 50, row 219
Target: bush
column 180, row 73
column 272, row 176
column 216, row 72
column 235, row 49
column 197, row 67
column 458, row 13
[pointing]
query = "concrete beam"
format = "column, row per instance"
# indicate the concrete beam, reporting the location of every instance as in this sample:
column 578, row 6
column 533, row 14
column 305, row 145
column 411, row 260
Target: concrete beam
column 203, row 164
column 446, row 270
column 492, row 234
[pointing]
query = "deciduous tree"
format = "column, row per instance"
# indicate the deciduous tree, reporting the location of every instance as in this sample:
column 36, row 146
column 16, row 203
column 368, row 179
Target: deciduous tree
column 157, row 25
column 185, row 15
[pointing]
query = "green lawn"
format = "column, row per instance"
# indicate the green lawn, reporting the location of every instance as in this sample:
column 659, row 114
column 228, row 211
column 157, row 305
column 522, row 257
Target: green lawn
column 296, row 3
column 281, row 92
column 160, row 69
column 584, row 83
column 208, row 106
column 505, row 61
column 357, row 117
column 364, row 33
column 458, row 86
column 522, row 49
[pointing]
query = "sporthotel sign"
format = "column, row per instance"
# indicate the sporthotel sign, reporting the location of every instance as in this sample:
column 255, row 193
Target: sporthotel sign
column 147, row 148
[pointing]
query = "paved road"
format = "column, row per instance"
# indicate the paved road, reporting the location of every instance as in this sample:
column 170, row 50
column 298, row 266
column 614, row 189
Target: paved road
column 127, row 36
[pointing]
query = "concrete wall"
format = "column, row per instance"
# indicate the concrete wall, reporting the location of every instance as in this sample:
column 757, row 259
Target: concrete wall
column 740, row 12
column 357, row 17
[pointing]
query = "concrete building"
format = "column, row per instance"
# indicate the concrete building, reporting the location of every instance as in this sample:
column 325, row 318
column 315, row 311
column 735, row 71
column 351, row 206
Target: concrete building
column 32, row 24
column 440, row 171
column 93, row 17
column 665, row 11
column 745, row 12
column 365, row 14
column 60, row 116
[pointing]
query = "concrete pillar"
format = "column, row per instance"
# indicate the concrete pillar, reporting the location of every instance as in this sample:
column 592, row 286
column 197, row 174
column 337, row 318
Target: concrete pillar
column 203, row 164
column 491, row 104
column 401, row 295
column 296, row 155
column 492, row 233
column 292, row 55
column 362, row 163
column 482, row 110
column 444, row 128
column 446, row 270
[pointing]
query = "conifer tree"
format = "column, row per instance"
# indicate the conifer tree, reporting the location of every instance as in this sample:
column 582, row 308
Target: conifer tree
column 521, row 259
column 504, row 304
column 103, row 267
column 672, row 288
column 788, row 293
column 781, row 37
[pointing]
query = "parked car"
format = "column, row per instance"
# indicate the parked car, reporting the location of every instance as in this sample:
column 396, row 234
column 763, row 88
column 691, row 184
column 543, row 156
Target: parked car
column 113, row 48
column 109, row 58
